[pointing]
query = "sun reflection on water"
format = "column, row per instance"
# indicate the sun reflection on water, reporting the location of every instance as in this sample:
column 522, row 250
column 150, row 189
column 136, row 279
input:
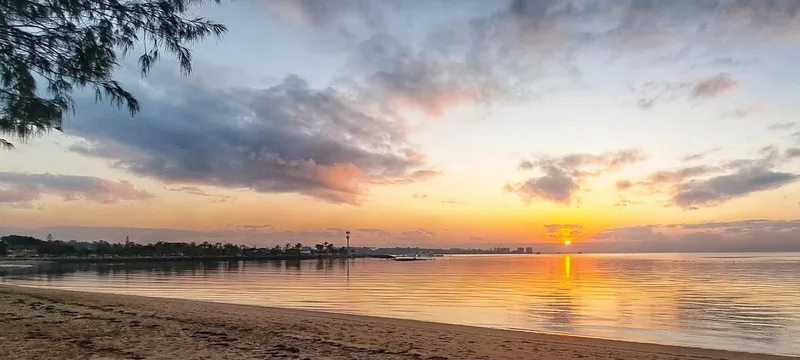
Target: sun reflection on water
column 567, row 266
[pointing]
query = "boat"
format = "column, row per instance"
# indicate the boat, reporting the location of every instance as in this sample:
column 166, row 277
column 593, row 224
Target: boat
column 414, row 257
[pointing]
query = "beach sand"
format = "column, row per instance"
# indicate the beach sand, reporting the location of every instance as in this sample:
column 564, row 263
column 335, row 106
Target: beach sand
column 55, row 324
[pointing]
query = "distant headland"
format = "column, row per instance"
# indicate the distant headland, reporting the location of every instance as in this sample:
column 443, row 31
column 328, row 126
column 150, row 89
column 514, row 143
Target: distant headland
column 28, row 247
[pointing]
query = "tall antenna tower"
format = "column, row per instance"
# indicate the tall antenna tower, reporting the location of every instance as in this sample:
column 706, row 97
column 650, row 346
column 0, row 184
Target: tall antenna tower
column 347, row 233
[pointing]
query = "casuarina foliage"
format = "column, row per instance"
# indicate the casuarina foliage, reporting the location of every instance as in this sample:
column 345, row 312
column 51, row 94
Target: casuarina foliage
column 50, row 48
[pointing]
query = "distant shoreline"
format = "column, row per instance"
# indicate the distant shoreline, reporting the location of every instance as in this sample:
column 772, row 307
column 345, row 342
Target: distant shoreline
column 187, row 258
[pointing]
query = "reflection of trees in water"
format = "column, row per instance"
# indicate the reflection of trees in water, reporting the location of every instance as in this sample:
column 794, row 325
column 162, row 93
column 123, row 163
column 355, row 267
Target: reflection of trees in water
column 752, row 321
column 55, row 270
column 50, row 270
column 293, row 265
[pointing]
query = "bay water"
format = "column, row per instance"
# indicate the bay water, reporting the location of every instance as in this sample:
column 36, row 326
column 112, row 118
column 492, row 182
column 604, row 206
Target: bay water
column 745, row 302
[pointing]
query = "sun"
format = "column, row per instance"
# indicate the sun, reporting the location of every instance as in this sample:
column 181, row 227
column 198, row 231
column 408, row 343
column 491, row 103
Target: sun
column 567, row 242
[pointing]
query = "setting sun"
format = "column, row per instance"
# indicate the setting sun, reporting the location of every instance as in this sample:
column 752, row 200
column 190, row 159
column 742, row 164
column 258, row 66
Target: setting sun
column 567, row 242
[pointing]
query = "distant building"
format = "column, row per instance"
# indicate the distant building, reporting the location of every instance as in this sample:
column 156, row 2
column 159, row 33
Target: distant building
column 520, row 250
column 306, row 250
column 23, row 253
column 529, row 250
column 502, row 250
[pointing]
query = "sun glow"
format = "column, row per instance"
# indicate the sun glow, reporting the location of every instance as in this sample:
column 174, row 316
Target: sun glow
column 567, row 242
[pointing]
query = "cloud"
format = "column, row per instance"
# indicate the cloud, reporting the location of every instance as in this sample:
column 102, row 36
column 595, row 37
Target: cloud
column 781, row 126
column 699, row 156
column 525, row 165
column 193, row 190
column 626, row 203
column 746, row 236
column 797, row 136
column 563, row 232
column 623, row 184
column 706, row 186
column 652, row 92
column 522, row 50
column 680, row 175
column 719, row 189
column 400, row 77
column 287, row 138
column 714, row 85
column 555, row 185
column 18, row 189
column 257, row 227
column 311, row 13
column 744, row 111
column 561, row 176
column 792, row 153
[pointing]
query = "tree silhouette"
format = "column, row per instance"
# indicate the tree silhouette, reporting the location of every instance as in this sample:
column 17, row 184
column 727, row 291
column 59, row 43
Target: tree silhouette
column 158, row 249
column 48, row 48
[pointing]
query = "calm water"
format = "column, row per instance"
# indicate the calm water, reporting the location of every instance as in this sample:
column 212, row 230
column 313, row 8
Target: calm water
column 746, row 302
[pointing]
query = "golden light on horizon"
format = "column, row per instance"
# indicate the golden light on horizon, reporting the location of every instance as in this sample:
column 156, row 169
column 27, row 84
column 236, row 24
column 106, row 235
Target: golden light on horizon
column 567, row 242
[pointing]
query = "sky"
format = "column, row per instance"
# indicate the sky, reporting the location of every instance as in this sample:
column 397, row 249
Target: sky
column 616, row 125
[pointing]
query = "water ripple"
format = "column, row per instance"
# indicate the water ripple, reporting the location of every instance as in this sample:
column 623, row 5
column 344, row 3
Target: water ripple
column 745, row 302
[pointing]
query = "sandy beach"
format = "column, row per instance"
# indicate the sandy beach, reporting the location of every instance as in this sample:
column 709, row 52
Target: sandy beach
column 55, row 324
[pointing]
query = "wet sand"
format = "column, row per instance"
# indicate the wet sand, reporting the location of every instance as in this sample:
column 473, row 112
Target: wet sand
column 55, row 324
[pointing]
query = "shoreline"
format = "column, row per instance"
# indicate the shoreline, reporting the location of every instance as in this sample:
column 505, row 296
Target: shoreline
column 104, row 260
column 48, row 323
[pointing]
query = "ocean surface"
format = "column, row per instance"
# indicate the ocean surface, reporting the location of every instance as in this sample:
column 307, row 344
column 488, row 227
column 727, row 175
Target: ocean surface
column 745, row 302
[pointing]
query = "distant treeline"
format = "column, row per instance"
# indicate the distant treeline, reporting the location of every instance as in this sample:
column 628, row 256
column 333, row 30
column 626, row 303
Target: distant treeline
column 22, row 245
column 18, row 244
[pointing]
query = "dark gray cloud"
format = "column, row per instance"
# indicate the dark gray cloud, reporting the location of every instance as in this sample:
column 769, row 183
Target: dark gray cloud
column 287, row 138
column 554, row 185
column 746, row 236
column 705, row 185
column 561, row 176
column 781, row 126
column 719, row 189
column 17, row 189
